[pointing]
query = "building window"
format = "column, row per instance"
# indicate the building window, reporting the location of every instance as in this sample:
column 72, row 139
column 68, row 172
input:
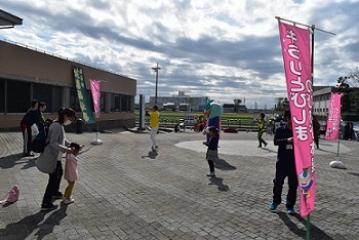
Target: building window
column 89, row 94
column 125, row 103
column 2, row 96
column 43, row 93
column 18, row 96
column 56, row 99
column 117, row 103
column 102, row 102
column 132, row 104
column 74, row 100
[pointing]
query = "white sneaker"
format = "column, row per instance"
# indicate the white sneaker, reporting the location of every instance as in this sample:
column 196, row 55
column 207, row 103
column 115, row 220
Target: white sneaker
column 69, row 200
column 210, row 174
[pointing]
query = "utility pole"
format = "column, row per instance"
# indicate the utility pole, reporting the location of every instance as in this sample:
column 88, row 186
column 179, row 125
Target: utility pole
column 156, row 71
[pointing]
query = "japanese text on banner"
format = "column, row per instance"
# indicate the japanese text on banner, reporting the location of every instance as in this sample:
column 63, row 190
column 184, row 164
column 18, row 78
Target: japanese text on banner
column 297, row 65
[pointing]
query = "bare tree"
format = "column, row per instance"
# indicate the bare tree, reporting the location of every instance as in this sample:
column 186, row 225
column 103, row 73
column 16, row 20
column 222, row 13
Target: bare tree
column 237, row 102
column 354, row 76
column 285, row 104
column 352, row 80
column 342, row 82
column 349, row 85
column 278, row 103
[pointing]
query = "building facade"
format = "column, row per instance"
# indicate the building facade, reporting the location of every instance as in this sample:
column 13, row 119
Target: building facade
column 196, row 103
column 27, row 74
column 321, row 100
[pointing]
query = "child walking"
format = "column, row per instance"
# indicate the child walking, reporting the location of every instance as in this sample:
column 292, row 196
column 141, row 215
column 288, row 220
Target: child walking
column 154, row 125
column 261, row 129
column 212, row 150
column 71, row 172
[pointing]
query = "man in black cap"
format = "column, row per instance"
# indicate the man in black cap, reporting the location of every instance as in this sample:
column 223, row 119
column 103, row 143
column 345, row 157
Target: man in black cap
column 25, row 126
column 33, row 116
column 285, row 166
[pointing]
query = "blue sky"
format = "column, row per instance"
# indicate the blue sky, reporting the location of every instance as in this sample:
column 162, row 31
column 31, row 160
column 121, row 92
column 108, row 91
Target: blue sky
column 226, row 50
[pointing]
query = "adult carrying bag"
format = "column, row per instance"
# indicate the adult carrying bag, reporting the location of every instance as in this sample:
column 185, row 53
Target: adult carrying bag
column 39, row 143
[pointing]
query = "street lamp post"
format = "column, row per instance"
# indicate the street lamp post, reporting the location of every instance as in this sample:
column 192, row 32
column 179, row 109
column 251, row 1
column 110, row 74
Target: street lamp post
column 156, row 71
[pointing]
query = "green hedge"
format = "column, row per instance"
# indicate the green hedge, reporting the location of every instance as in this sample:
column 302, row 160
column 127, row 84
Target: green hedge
column 350, row 118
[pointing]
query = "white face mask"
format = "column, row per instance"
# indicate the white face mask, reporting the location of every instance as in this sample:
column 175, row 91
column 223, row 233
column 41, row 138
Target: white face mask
column 68, row 122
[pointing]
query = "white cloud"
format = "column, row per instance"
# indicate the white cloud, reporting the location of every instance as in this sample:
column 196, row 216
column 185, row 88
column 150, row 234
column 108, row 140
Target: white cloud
column 223, row 50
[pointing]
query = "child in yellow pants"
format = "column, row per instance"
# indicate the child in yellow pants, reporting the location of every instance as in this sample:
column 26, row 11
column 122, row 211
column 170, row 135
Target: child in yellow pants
column 71, row 172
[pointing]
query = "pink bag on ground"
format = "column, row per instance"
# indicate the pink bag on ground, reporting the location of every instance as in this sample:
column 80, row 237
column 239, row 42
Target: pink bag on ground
column 12, row 195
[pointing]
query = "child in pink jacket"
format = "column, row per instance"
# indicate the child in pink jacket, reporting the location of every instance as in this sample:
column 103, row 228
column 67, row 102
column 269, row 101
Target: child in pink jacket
column 71, row 172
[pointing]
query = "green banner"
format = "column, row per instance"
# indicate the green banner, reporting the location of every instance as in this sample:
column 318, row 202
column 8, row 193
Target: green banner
column 83, row 96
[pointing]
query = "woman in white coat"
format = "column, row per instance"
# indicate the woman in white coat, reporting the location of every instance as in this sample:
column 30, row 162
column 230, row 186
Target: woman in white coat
column 50, row 160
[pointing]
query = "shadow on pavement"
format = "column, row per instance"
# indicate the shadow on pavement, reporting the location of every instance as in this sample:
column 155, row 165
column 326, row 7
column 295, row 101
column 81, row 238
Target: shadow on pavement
column 269, row 150
column 30, row 163
column 23, row 228
column 219, row 182
column 54, row 219
column 325, row 144
column 12, row 160
column 353, row 173
column 151, row 155
column 322, row 150
column 315, row 233
column 6, row 204
column 223, row 165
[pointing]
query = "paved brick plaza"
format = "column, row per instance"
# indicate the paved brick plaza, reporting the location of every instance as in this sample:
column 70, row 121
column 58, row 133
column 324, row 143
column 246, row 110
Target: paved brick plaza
column 125, row 191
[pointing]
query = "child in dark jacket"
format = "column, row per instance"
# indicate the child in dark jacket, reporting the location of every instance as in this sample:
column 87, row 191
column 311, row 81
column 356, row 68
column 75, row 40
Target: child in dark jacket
column 285, row 167
column 212, row 150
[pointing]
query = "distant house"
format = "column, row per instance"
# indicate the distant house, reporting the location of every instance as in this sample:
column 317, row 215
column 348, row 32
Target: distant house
column 184, row 107
column 169, row 107
column 231, row 108
column 228, row 108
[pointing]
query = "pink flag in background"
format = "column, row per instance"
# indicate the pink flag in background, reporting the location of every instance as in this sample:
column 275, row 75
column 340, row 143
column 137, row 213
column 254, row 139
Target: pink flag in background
column 95, row 90
column 297, row 65
column 334, row 115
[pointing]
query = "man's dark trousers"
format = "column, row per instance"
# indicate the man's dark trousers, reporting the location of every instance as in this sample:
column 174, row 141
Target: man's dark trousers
column 284, row 170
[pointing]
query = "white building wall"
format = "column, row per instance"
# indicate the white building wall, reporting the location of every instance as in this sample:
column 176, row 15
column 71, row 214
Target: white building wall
column 321, row 100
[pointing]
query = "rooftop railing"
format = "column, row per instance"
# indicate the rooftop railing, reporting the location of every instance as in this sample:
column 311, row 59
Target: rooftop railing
column 61, row 57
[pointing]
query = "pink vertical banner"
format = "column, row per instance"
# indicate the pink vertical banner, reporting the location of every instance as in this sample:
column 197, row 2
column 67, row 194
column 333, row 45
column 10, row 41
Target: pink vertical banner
column 298, row 71
column 334, row 115
column 95, row 90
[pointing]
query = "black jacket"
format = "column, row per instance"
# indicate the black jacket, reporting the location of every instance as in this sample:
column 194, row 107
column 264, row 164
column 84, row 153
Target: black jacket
column 31, row 117
column 285, row 149
column 213, row 143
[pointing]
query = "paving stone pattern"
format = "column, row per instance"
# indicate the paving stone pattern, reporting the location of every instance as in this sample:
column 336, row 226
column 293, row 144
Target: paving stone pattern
column 126, row 191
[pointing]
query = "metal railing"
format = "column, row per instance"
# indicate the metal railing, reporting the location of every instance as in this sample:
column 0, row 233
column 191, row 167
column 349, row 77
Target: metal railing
column 235, row 123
